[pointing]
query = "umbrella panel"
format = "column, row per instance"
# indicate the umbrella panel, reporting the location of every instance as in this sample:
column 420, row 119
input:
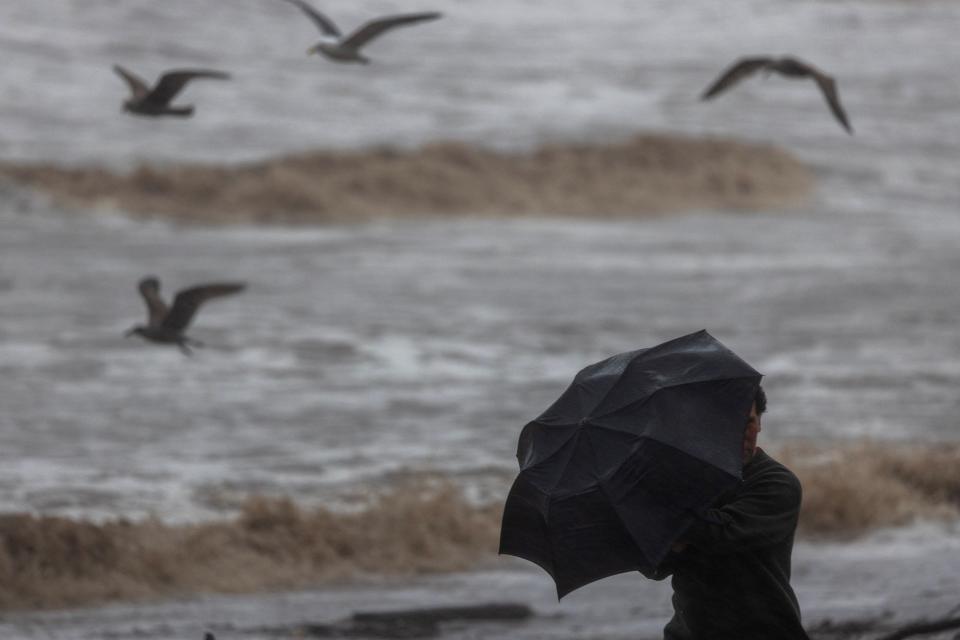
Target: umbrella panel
column 627, row 378
column 593, row 545
column 575, row 467
column 627, row 522
column 658, row 492
column 523, row 532
column 704, row 419
column 588, row 387
column 539, row 442
column 690, row 359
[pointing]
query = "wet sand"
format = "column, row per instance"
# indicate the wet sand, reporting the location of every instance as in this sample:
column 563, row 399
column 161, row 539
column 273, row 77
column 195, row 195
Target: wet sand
column 646, row 175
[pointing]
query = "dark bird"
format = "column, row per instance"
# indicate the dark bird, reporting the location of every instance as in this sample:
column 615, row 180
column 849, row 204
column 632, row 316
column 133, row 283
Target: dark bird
column 166, row 325
column 342, row 48
column 146, row 101
column 787, row 66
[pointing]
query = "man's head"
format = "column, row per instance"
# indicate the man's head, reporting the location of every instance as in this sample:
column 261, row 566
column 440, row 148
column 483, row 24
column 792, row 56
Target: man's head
column 753, row 425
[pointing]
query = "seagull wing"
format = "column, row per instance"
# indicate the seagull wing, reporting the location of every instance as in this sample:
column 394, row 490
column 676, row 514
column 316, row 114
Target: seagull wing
column 735, row 73
column 324, row 23
column 172, row 82
column 186, row 303
column 156, row 307
column 828, row 87
column 138, row 86
column 374, row 28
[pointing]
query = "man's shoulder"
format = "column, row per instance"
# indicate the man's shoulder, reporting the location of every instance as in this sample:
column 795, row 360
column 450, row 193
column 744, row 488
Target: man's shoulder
column 768, row 464
column 770, row 471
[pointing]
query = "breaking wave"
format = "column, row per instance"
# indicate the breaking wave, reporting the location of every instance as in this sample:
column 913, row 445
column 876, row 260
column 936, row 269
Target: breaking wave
column 50, row 561
column 852, row 489
column 421, row 526
column 647, row 174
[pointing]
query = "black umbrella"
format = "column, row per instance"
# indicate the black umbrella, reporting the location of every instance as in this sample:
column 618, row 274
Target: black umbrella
column 612, row 474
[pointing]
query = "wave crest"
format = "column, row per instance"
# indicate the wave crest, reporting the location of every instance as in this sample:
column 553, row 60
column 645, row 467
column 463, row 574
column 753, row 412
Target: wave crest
column 54, row 562
column 852, row 489
column 423, row 525
column 646, row 174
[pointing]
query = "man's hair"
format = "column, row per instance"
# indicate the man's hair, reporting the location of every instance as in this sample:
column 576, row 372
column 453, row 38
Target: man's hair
column 760, row 398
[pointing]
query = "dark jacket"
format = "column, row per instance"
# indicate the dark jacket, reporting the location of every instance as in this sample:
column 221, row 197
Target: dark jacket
column 733, row 579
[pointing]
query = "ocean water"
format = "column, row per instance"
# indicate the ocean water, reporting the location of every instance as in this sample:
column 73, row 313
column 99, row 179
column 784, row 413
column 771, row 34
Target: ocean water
column 361, row 355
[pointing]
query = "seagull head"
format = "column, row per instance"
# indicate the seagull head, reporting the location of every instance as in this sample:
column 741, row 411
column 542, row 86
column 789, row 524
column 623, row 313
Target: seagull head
column 326, row 44
column 137, row 330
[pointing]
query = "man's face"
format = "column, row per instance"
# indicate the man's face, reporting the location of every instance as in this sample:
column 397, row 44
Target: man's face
column 750, row 435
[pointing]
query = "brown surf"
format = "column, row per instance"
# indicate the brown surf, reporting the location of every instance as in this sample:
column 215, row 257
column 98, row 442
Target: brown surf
column 646, row 175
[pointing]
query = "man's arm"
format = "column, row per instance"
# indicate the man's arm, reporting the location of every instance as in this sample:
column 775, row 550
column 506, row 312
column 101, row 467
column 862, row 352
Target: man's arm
column 764, row 512
column 665, row 568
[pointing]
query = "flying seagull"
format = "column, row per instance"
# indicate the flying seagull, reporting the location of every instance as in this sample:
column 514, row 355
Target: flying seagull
column 342, row 48
column 166, row 325
column 146, row 101
column 787, row 66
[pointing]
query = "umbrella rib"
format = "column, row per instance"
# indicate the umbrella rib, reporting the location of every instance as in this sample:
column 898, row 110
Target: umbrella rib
column 668, row 386
column 676, row 448
column 594, row 425
column 566, row 464
column 559, row 449
column 646, row 437
column 553, row 553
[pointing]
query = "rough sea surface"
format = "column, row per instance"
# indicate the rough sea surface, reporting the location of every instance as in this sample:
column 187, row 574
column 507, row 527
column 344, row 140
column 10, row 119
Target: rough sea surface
column 362, row 354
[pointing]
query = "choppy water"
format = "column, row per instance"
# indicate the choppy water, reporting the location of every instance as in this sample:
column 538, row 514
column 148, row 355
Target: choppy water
column 363, row 353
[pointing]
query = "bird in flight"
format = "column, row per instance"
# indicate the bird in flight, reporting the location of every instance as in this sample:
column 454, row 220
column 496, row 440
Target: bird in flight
column 155, row 101
column 166, row 325
column 787, row 66
column 342, row 48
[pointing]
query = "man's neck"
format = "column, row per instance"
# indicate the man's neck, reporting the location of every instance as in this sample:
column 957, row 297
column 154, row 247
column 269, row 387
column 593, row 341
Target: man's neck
column 756, row 454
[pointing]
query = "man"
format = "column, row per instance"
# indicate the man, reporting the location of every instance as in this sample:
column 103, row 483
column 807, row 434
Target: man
column 731, row 569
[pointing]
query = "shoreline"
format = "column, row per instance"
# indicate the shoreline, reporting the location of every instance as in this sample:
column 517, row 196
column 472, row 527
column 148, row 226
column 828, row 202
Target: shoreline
column 844, row 593
column 427, row 526
column 646, row 175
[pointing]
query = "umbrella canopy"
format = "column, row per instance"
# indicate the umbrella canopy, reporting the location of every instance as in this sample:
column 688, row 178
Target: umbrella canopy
column 613, row 472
